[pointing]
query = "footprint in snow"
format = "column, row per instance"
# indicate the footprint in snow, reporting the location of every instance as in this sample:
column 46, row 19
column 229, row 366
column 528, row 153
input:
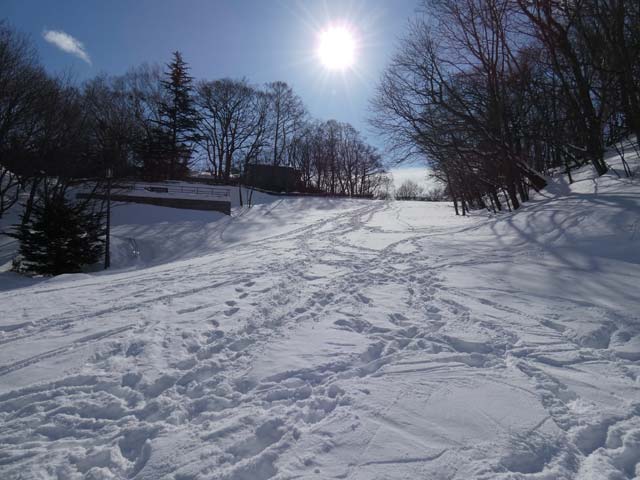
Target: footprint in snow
column 363, row 299
column 398, row 319
column 214, row 335
column 231, row 311
column 135, row 349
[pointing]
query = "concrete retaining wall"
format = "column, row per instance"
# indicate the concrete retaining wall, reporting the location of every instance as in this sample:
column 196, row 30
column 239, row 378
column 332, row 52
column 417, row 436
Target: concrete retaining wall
column 185, row 203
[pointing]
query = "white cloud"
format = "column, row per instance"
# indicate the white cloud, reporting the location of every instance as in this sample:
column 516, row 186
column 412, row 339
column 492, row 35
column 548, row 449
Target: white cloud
column 67, row 43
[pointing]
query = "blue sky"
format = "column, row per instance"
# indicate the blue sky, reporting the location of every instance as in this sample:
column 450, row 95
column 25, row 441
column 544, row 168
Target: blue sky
column 263, row 40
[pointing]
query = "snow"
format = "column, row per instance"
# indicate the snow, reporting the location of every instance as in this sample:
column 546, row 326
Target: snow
column 336, row 338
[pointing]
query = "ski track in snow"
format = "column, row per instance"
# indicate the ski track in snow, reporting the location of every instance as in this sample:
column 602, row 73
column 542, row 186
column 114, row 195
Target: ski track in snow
column 369, row 342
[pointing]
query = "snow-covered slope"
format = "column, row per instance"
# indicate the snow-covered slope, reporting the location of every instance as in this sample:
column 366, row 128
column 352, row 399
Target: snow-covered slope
column 145, row 235
column 311, row 338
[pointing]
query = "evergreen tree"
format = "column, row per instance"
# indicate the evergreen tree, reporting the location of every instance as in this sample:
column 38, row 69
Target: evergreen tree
column 171, row 141
column 60, row 237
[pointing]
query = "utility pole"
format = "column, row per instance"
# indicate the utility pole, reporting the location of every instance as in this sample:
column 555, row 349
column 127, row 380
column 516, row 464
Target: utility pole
column 107, row 253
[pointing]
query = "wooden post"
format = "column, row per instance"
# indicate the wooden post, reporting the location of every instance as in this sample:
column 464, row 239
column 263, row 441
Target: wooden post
column 107, row 253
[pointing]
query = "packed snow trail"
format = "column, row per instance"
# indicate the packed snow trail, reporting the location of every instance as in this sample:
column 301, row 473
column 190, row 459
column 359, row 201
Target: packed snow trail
column 341, row 339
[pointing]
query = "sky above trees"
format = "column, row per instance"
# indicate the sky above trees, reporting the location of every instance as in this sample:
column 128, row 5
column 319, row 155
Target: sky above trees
column 262, row 41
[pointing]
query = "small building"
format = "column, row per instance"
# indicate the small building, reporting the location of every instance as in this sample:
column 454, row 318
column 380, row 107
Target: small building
column 273, row 178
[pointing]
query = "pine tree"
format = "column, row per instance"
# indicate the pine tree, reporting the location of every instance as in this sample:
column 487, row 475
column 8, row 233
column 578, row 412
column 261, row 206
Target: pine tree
column 172, row 139
column 59, row 237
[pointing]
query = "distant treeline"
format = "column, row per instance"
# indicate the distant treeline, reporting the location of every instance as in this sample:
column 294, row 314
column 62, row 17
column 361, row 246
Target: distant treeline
column 159, row 123
column 153, row 123
column 495, row 93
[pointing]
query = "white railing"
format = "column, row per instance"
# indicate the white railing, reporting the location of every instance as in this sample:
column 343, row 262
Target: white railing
column 216, row 192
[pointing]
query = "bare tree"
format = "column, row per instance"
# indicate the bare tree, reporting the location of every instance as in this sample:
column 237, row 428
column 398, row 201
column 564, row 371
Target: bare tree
column 409, row 190
column 447, row 97
column 333, row 158
column 558, row 27
column 232, row 117
column 114, row 125
column 286, row 115
column 386, row 189
column 21, row 81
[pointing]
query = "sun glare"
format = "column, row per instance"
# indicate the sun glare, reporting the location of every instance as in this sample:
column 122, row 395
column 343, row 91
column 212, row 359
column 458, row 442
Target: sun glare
column 336, row 48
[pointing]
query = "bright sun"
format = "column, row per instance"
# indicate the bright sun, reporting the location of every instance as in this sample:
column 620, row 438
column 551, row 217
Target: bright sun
column 337, row 48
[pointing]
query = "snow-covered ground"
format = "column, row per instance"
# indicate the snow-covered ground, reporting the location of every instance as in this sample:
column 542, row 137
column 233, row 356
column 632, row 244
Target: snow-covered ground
column 318, row 338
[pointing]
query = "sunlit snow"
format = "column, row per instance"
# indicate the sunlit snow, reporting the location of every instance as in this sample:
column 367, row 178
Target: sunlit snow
column 332, row 338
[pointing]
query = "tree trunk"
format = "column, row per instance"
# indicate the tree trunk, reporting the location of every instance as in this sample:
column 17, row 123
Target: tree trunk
column 26, row 216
